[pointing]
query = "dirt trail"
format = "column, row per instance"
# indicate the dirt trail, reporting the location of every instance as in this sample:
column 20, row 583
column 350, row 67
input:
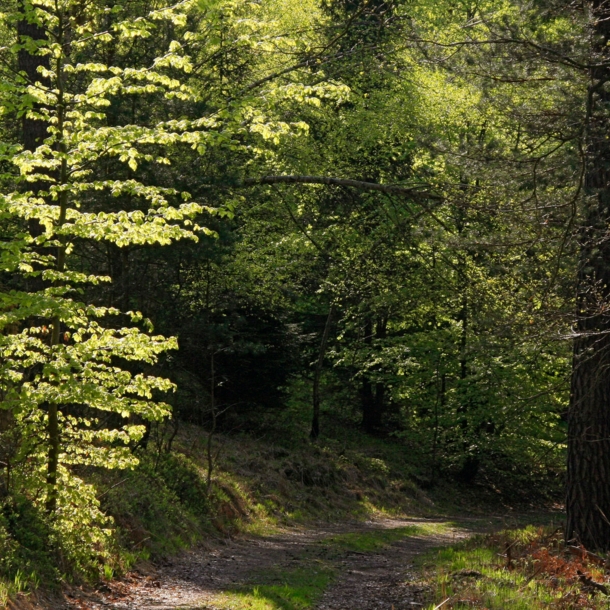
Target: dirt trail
column 380, row 579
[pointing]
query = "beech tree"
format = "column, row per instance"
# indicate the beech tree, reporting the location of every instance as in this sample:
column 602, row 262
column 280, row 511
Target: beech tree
column 85, row 171
column 66, row 361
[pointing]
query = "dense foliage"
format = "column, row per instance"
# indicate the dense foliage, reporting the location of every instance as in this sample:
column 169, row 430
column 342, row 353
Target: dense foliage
column 373, row 209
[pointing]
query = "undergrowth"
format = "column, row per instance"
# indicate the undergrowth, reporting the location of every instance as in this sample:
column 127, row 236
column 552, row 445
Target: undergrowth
column 164, row 504
column 261, row 481
column 525, row 569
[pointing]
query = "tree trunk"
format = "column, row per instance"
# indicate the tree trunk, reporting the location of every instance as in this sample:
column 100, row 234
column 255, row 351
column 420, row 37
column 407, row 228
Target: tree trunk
column 33, row 131
column 470, row 466
column 588, row 476
column 33, row 135
column 373, row 395
column 367, row 399
column 315, row 421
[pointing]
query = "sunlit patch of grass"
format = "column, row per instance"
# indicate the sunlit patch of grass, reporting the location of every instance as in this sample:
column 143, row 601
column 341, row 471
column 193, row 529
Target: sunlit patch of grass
column 375, row 540
column 20, row 584
column 5, row 592
column 477, row 574
column 297, row 589
column 261, row 525
column 473, row 578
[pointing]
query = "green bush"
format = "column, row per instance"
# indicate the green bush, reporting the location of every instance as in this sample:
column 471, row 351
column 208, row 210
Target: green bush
column 25, row 542
column 158, row 507
column 182, row 477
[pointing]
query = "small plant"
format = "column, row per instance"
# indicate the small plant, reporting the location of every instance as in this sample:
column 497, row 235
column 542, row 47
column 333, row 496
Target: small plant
column 108, row 572
column 4, row 594
column 20, row 582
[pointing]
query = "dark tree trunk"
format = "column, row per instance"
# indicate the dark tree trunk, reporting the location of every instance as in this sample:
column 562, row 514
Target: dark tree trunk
column 373, row 395
column 118, row 266
column 470, row 466
column 315, row 421
column 367, row 399
column 380, row 387
column 33, row 131
column 33, row 135
column 588, row 476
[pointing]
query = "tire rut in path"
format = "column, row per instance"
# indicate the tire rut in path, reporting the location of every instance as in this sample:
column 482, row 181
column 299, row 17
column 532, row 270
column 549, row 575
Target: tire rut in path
column 363, row 581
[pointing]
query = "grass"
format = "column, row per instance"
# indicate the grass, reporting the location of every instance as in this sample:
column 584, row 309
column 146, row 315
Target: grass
column 297, row 589
column 376, row 540
column 539, row 574
column 20, row 583
column 473, row 578
column 298, row 482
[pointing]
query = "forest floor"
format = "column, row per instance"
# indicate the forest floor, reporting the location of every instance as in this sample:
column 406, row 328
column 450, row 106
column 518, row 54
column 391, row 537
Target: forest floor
column 336, row 525
column 351, row 566
column 293, row 525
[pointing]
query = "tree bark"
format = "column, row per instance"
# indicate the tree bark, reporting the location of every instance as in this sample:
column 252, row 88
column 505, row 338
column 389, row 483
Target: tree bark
column 381, row 330
column 470, row 467
column 60, row 264
column 34, row 131
column 588, row 467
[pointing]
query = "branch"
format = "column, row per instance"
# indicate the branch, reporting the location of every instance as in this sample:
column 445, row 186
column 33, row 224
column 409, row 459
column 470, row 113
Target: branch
column 359, row 184
column 391, row 189
column 315, row 61
column 558, row 56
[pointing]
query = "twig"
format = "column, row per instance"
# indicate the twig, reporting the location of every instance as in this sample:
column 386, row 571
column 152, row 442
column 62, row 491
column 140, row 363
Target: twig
column 584, row 554
column 111, row 488
column 589, row 582
column 529, row 580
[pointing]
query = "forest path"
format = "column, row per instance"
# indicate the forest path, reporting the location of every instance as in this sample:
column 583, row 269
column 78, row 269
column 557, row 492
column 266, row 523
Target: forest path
column 351, row 566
